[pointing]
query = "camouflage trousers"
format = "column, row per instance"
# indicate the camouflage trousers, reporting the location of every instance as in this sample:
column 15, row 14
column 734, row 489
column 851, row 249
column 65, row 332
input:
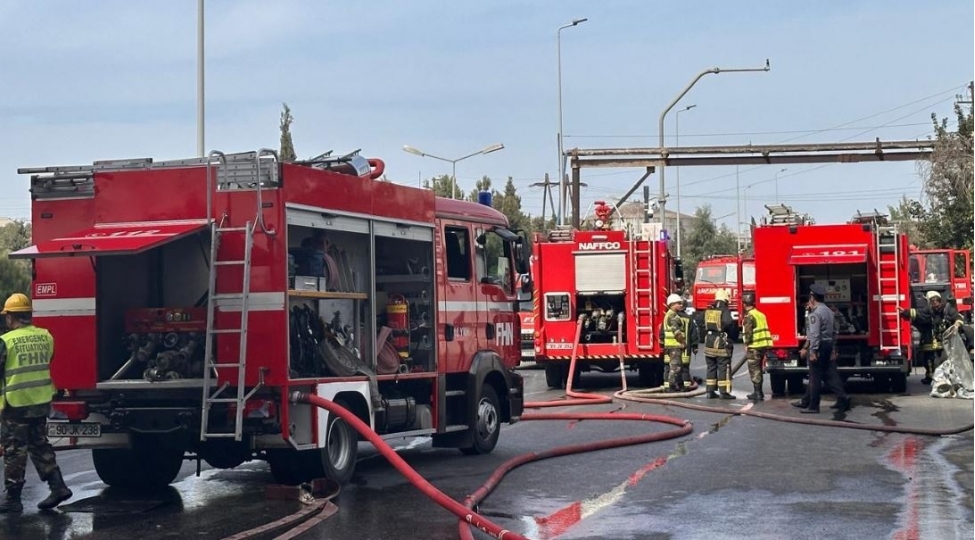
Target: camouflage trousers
column 754, row 358
column 22, row 437
column 675, row 378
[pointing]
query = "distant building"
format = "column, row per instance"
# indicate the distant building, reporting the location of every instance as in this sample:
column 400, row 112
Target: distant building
column 631, row 216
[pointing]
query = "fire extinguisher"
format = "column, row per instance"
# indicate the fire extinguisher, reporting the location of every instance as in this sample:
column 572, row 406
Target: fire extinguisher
column 398, row 320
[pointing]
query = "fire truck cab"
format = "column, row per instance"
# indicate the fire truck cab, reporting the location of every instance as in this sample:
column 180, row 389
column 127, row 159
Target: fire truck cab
column 948, row 271
column 863, row 265
column 614, row 281
column 188, row 299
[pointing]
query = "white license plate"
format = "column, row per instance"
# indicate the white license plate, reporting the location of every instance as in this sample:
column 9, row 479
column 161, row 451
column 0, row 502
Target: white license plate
column 527, row 354
column 791, row 363
column 60, row 429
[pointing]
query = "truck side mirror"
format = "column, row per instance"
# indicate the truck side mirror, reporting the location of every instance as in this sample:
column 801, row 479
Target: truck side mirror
column 679, row 273
column 522, row 250
column 526, row 283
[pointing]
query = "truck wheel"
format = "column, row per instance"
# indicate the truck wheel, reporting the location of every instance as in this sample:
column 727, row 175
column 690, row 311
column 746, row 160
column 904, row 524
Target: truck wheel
column 777, row 380
column 341, row 447
column 898, row 383
column 554, row 375
column 487, row 423
column 651, row 374
column 149, row 464
column 796, row 387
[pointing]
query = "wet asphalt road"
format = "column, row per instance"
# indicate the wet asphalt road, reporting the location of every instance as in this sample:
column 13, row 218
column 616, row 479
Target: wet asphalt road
column 733, row 477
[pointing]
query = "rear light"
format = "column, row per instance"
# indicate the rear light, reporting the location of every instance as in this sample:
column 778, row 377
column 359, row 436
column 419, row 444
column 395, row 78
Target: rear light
column 69, row 410
column 781, row 354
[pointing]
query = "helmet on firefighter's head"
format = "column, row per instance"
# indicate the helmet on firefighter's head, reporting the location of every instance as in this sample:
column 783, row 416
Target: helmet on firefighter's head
column 17, row 303
column 674, row 299
column 748, row 299
column 932, row 294
column 722, row 295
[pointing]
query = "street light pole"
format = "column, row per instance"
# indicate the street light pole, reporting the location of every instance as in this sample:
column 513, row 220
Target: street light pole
column 777, row 184
column 453, row 162
column 200, row 146
column 562, row 190
column 677, row 143
column 660, row 127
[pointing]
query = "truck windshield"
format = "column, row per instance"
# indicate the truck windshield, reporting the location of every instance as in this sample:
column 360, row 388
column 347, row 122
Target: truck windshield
column 722, row 274
column 930, row 268
column 748, row 274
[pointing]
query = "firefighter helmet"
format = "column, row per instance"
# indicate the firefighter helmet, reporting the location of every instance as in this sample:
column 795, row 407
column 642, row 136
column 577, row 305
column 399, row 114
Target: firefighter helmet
column 674, row 299
column 722, row 295
column 17, row 303
column 748, row 299
column 929, row 295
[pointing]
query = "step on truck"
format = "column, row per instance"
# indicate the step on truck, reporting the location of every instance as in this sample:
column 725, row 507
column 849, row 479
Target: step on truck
column 863, row 266
column 188, row 299
column 617, row 282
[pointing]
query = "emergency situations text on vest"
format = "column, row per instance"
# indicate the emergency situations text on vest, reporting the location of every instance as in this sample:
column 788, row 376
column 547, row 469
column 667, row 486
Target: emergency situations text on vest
column 32, row 349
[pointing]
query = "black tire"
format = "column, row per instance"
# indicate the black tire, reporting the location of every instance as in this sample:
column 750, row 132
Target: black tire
column 341, row 448
column 554, row 375
column 796, row 386
column 777, row 381
column 898, row 383
column 486, row 428
column 647, row 375
column 151, row 463
column 225, row 453
column 336, row 461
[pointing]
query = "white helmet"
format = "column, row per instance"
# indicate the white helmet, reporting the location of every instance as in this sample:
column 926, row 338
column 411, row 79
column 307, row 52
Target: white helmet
column 722, row 295
column 674, row 299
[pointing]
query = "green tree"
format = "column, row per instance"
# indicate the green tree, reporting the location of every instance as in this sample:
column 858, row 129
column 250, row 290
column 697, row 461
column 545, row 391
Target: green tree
column 509, row 204
column 903, row 215
column 947, row 219
column 287, row 152
column 441, row 185
column 14, row 274
column 705, row 239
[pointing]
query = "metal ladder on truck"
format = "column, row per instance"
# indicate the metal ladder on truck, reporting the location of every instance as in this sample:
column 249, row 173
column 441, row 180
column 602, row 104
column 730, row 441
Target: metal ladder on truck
column 889, row 293
column 644, row 298
column 211, row 366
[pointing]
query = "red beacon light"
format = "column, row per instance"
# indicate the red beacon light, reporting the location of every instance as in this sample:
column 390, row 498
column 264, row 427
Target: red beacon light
column 603, row 212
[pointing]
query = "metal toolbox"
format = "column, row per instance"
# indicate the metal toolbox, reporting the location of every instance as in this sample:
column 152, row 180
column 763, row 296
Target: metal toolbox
column 306, row 283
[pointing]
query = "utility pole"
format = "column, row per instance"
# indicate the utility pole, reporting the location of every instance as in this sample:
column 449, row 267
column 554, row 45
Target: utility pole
column 546, row 196
column 200, row 145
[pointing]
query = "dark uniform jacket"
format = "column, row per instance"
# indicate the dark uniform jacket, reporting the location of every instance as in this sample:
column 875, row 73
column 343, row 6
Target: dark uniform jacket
column 722, row 330
column 932, row 324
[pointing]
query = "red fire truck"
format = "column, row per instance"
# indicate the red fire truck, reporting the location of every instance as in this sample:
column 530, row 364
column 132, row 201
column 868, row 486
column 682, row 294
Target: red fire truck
column 948, row 271
column 722, row 272
column 614, row 280
column 188, row 298
column 863, row 266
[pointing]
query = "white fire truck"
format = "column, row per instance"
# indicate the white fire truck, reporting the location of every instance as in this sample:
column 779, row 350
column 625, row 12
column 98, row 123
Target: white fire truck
column 189, row 298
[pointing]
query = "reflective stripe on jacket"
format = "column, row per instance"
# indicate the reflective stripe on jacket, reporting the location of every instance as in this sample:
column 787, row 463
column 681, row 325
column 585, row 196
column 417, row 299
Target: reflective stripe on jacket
column 27, row 373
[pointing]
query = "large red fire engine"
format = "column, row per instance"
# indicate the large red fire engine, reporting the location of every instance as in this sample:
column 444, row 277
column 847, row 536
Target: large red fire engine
column 613, row 280
column 863, row 266
column 948, row 271
column 188, row 298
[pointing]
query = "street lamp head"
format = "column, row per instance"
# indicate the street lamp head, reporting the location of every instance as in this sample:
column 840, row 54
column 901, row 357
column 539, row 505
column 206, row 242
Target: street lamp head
column 493, row 148
column 411, row 150
column 578, row 21
column 767, row 66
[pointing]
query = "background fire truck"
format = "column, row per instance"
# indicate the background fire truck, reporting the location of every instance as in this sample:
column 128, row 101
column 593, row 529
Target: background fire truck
column 618, row 283
column 863, row 264
column 526, row 311
column 189, row 298
column 721, row 272
column 948, row 271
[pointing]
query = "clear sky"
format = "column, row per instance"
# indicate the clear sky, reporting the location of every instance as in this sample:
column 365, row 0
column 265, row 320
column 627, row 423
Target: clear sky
column 83, row 81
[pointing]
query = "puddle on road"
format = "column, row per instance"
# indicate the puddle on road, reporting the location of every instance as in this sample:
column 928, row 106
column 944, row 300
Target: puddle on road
column 884, row 414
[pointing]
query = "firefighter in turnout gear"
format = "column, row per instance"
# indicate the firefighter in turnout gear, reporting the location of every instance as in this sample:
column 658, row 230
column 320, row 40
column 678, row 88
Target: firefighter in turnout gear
column 932, row 322
column 673, row 335
column 25, row 357
column 721, row 331
column 690, row 347
column 757, row 339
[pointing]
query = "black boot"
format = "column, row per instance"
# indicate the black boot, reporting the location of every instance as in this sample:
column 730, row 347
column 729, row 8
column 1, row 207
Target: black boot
column 842, row 404
column 11, row 503
column 757, row 395
column 711, row 392
column 59, row 491
column 726, row 395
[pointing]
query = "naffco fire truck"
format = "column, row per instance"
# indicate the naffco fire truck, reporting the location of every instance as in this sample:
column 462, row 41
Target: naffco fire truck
column 188, row 298
column 863, row 266
column 616, row 282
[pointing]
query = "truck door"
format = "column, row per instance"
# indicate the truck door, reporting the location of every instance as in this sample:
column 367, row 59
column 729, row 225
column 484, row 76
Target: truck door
column 457, row 299
column 496, row 282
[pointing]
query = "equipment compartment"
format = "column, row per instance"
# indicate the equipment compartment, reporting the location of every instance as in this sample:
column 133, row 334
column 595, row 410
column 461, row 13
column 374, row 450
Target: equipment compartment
column 151, row 312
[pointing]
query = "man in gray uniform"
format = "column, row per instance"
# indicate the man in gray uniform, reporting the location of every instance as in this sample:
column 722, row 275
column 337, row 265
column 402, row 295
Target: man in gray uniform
column 820, row 334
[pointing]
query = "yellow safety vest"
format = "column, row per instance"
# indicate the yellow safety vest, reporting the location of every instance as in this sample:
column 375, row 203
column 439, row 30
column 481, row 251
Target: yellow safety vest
column 761, row 336
column 27, row 374
column 670, row 340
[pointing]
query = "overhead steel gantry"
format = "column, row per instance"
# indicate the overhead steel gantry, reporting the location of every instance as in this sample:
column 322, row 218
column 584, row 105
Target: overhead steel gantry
column 757, row 154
